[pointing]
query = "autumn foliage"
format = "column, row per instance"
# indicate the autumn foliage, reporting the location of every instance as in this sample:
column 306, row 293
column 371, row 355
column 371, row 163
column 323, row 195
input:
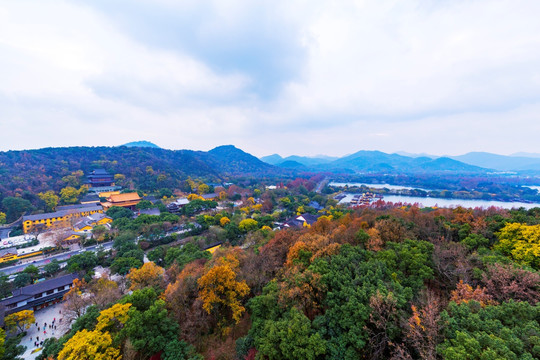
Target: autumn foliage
column 220, row 291
column 148, row 275
column 465, row 293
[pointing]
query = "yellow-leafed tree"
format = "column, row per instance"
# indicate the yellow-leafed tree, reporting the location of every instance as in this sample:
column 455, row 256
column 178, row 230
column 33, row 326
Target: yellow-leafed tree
column 224, row 221
column 113, row 318
column 149, row 274
column 521, row 242
column 219, row 288
column 94, row 345
column 20, row 320
column 50, row 198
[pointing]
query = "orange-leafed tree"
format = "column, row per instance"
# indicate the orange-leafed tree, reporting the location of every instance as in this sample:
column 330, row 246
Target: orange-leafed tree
column 149, row 274
column 423, row 328
column 89, row 345
column 76, row 300
column 465, row 293
column 221, row 292
column 21, row 320
column 182, row 299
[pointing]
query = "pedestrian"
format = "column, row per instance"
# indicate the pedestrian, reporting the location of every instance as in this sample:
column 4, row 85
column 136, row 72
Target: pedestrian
column 30, row 338
column 54, row 327
column 38, row 329
column 37, row 338
column 41, row 343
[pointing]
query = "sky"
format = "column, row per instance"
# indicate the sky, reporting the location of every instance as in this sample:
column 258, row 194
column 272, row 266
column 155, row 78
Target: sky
column 287, row 77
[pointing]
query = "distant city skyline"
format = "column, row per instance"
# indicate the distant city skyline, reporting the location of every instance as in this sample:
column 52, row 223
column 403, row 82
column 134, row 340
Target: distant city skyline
column 289, row 77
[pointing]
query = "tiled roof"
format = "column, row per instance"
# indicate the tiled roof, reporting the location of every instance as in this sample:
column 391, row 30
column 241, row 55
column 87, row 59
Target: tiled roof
column 41, row 287
column 75, row 207
column 63, row 212
column 11, row 250
column 133, row 196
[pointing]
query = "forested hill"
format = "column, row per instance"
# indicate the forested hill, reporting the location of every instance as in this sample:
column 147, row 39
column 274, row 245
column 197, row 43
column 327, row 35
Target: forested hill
column 148, row 168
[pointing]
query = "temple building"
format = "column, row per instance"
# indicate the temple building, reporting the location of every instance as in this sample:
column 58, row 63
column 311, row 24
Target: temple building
column 87, row 223
column 38, row 296
column 63, row 218
column 126, row 200
column 100, row 177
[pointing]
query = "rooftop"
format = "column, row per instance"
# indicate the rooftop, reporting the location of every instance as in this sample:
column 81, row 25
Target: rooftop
column 61, row 213
column 11, row 250
column 132, row 196
column 43, row 286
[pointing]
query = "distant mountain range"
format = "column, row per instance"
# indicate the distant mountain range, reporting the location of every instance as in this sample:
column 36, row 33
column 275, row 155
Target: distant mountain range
column 377, row 161
column 276, row 159
column 500, row 162
column 151, row 167
column 147, row 167
column 142, row 143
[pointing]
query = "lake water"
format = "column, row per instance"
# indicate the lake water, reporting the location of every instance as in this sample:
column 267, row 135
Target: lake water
column 376, row 186
column 440, row 202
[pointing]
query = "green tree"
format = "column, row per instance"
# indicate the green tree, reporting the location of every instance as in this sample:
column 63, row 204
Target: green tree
column 184, row 255
column 122, row 265
column 74, row 179
column 150, row 331
column 85, row 261
column 141, row 299
column 22, row 279
column 157, row 255
column 12, row 348
column 15, row 207
column 144, row 204
column 99, row 231
column 180, row 350
column 291, row 337
column 5, row 286
column 52, row 268
column 32, row 270
column 117, row 212
column 506, row 331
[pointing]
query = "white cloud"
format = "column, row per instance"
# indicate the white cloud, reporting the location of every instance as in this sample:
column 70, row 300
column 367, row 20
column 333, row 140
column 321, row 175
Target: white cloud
column 424, row 76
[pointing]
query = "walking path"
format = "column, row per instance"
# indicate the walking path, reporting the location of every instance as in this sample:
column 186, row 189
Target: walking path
column 38, row 333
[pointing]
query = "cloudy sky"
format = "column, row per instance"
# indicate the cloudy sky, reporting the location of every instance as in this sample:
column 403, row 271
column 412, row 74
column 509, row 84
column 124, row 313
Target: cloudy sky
column 288, row 77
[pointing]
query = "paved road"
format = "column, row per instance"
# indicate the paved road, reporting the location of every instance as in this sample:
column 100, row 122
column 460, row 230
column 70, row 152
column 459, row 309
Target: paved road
column 321, row 185
column 42, row 261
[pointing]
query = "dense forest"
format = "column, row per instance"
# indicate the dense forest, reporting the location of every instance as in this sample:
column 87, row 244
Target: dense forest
column 147, row 168
column 390, row 282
